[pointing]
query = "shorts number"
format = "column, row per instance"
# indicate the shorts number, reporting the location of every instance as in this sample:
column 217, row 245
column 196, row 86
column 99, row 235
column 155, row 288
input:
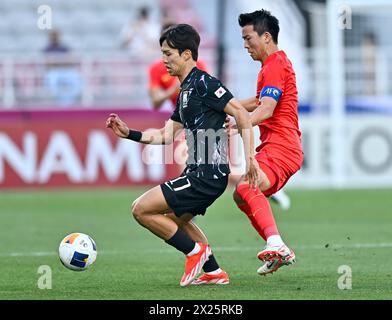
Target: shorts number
column 181, row 183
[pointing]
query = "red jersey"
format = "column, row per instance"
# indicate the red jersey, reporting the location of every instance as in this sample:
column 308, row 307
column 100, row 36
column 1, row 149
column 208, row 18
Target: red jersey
column 160, row 78
column 277, row 80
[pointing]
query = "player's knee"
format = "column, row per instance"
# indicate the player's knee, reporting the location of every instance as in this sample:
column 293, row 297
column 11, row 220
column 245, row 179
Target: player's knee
column 137, row 211
column 264, row 184
column 237, row 198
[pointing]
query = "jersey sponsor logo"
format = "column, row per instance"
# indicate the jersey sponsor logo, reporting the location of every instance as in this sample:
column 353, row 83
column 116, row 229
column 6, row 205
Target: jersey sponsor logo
column 220, row 92
column 272, row 92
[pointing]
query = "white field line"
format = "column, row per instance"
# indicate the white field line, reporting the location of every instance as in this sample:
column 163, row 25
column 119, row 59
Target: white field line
column 217, row 249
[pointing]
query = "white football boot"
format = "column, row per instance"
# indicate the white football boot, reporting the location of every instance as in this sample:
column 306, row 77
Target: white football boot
column 282, row 252
column 272, row 266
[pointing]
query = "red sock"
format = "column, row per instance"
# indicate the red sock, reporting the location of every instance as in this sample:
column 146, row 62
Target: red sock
column 260, row 208
column 246, row 209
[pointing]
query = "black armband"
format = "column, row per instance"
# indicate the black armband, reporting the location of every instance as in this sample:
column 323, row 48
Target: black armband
column 134, row 135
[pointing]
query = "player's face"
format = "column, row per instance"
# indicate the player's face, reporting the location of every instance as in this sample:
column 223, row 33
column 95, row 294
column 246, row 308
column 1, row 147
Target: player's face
column 253, row 43
column 172, row 59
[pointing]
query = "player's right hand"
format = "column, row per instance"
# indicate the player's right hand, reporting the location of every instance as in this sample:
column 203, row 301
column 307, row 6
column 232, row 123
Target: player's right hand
column 253, row 174
column 118, row 126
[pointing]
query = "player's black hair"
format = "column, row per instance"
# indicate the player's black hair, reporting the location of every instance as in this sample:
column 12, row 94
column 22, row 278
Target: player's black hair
column 262, row 21
column 182, row 37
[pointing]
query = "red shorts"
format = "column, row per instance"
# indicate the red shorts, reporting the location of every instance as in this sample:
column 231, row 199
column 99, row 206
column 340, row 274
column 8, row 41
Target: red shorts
column 279, row 164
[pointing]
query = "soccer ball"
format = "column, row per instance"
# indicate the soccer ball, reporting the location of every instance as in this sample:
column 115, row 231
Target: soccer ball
column 77, row 251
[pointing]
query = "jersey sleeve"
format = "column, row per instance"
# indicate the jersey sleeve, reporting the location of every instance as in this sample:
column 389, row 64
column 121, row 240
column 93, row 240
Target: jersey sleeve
column 176, row 114
column 273, row 82
column 215, row 94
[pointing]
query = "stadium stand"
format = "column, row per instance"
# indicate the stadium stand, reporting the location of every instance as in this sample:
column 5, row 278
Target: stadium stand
column 92, row 29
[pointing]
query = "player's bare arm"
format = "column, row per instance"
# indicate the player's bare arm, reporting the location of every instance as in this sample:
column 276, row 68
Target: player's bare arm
column 165, row 135
column 241, row 116
column 159, row 96
column 264, row 111
column 249, row 104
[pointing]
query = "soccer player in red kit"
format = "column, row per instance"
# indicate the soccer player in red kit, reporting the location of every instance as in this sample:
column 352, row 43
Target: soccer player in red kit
column 275, row 110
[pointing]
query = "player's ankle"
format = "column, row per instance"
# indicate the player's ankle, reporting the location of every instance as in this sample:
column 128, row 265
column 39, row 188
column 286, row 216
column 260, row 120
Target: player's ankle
column 275, row 241
column 195, row 250
column 215, row 272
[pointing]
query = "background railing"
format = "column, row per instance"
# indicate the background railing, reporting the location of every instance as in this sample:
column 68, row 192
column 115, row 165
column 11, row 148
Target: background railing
column 117, row 79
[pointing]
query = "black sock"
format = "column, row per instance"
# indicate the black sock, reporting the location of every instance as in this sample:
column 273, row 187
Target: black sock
column 181, row 242
column 211, row 264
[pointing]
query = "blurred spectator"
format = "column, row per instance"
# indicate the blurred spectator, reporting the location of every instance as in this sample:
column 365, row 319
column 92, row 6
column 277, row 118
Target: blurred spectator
column 182, row 12
column 55, row 45
column 166, row 19
column 141, row 37
column 62, row 79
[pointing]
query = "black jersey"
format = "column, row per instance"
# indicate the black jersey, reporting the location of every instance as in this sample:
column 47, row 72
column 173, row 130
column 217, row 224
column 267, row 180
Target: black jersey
column 199, row 108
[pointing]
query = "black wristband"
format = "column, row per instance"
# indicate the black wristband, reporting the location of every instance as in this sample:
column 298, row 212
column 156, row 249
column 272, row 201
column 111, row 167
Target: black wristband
column 134, row 135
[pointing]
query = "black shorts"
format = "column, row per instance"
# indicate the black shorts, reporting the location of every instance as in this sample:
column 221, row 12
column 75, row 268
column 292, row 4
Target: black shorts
column 189, row 194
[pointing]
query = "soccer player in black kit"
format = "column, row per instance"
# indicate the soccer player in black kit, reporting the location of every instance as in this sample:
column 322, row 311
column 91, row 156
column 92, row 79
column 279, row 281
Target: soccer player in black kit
column 202, row 105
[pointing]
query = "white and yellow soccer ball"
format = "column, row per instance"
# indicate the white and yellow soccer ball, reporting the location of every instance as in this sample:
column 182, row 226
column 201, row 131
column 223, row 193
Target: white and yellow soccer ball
column 77, row 251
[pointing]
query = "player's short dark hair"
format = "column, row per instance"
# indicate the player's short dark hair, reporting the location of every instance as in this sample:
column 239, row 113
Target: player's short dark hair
column 262, row 21
column 182, row 37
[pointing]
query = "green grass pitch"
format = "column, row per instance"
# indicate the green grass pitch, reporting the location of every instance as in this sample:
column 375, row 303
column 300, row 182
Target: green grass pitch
column 326, row 228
